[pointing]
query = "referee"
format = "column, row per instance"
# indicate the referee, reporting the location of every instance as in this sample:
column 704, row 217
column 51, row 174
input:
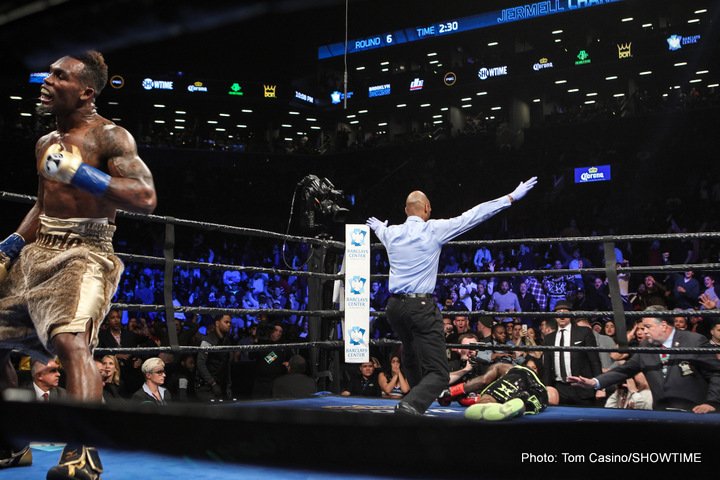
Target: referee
column 414, row 252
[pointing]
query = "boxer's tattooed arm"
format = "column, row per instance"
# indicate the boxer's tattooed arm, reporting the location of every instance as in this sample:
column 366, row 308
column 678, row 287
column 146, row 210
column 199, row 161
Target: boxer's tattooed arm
column 132, row 185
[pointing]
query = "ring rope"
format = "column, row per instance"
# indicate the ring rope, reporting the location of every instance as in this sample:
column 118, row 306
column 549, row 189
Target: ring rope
column 216, row 227
column 572, row 348
column 227, row 311
column 475, row 313
column 569, row 271
column 338, row 344
column 597, row 239
column 574, row 314
column 220, row 349
column 317, row 241
column 219, row 266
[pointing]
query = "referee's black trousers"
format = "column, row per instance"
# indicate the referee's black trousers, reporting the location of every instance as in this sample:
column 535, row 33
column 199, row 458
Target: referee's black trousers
column 418, row 324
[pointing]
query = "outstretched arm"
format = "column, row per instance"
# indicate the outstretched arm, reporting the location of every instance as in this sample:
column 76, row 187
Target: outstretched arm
column 453, row 227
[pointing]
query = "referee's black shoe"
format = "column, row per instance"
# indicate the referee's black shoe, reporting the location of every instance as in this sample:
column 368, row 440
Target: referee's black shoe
column 403, row 408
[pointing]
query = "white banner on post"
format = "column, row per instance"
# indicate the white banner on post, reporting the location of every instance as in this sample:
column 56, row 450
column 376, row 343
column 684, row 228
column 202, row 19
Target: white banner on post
column 357, row 294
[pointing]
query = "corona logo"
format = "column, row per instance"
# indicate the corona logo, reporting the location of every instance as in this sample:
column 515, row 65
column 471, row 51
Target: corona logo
column 624, row 50
column 269, row 91
column 197, row 87
column 542, row 64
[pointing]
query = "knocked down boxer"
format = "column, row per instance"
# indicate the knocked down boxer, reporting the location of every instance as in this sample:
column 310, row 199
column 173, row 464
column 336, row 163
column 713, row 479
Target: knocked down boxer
column 505, row 391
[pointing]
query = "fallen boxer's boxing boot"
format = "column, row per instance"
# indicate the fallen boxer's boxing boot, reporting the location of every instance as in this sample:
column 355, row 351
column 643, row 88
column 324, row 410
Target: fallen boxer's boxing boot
column 77, row 462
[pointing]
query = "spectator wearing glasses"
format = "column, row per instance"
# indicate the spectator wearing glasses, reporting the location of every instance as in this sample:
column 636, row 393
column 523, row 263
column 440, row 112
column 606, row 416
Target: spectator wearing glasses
column 152, row 390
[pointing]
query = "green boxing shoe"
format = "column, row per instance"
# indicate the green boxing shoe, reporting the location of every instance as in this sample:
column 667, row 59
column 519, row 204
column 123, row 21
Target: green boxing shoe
column 494, row 412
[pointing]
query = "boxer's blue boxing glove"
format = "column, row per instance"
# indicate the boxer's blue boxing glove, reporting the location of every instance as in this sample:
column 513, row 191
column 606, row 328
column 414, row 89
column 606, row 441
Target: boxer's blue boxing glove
column 9, row 251
column 67, row 167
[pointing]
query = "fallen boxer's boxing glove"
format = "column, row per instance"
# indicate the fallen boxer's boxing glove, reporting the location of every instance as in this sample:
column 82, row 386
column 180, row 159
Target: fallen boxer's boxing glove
column 448, row 395
column 67, row 167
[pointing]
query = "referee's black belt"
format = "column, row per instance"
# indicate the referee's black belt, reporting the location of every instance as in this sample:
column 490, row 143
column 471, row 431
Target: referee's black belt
column 412, row 295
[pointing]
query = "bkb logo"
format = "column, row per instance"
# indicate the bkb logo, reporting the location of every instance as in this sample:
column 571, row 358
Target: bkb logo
column 357, row 237
column 357, row 285
column 356, row 335
column 624, row 50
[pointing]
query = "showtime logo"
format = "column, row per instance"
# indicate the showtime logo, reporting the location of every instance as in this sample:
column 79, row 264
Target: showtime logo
column 485, row 73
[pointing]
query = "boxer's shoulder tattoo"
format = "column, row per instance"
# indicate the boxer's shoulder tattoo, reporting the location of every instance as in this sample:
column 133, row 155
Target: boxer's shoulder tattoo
column 123, row 160
column 129, row 167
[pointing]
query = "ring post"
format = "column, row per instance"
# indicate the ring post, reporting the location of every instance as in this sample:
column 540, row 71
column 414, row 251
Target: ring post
column 169, row 254
column 617, row 304
column 315, row 299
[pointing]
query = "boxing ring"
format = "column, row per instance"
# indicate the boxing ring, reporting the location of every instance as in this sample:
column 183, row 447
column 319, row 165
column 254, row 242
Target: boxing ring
column 329, row 436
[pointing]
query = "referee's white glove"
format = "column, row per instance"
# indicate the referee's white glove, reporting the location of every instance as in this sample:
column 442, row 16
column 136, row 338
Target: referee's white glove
column 374, row 223
column 522, row 189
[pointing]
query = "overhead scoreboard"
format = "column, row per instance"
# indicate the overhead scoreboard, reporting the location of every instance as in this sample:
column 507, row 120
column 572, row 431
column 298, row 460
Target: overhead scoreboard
column 464, row 24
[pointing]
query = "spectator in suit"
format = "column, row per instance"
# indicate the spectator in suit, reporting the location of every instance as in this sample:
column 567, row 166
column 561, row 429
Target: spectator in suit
column 601, row 341
column 688, row 381
column 46, row 381
column 152, row 390
column 559, row 366
column 296, row 383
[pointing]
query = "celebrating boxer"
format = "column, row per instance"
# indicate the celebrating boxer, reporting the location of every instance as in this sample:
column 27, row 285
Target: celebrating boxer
column 58, row 271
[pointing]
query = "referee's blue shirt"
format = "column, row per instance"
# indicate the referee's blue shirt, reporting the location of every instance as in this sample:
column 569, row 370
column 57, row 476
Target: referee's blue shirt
column 414, row 247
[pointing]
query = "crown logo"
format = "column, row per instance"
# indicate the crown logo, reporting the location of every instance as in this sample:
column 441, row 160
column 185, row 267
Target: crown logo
column 269, row 91
column 543, row 61
column 592, row 170
column 624, row 50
